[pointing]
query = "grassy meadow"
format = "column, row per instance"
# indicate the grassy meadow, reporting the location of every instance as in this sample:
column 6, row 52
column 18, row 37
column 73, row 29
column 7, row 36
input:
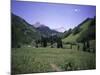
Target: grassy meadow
column 37, row 60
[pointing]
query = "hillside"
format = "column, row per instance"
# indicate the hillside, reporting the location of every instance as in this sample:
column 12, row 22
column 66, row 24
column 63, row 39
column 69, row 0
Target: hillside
column 83, row 30
column 22, row 32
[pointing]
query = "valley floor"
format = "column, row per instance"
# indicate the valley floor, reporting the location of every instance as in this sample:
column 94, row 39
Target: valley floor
column 37, row 60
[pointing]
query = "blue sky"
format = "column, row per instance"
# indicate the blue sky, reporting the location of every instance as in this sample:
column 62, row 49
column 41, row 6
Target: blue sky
column 55, row 16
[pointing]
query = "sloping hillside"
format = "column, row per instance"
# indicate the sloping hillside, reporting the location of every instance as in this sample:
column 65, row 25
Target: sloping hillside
column 22, row 32
column 80, row 30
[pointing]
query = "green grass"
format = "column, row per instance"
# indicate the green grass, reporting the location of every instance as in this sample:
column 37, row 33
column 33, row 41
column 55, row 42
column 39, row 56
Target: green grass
column 73, row 38
column 33, row 60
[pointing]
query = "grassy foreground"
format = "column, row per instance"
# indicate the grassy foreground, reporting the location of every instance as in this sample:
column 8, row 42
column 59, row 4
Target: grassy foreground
column 33, row 60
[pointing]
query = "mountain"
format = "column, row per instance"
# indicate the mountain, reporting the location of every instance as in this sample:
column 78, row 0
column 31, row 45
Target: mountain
column 60, row 29
column 84, row 31
column 37, row 24
column 22, row 32
column 45, row 30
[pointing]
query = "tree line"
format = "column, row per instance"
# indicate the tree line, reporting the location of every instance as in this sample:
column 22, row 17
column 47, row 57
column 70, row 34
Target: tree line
column 49, row 39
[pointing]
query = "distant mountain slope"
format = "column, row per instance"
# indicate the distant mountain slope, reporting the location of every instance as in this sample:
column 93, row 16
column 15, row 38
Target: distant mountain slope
column 60, row 29
column 84, row 30
column 22, row 32
column 46, row 30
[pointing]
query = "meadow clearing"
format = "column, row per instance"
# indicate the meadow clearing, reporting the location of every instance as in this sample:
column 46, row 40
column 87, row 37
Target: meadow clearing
column 39, row 60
